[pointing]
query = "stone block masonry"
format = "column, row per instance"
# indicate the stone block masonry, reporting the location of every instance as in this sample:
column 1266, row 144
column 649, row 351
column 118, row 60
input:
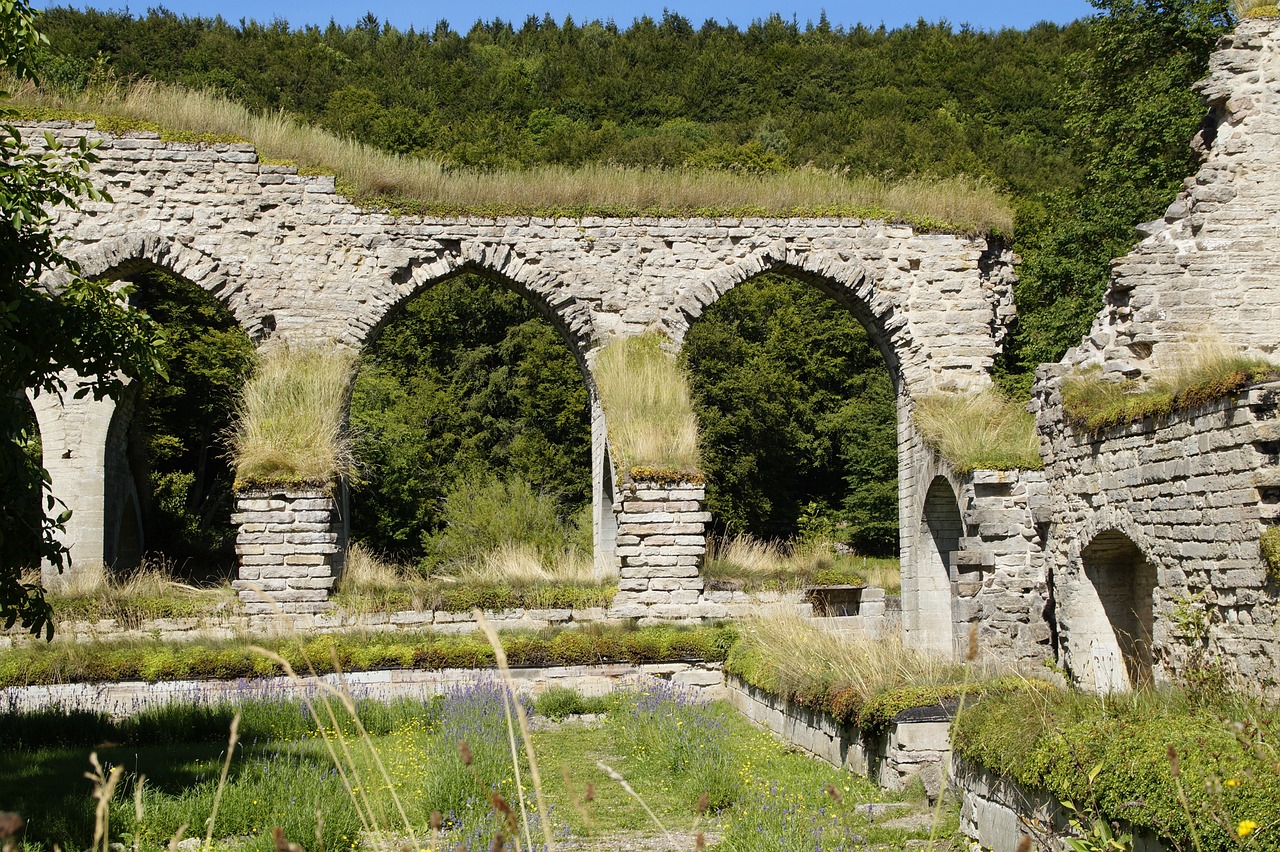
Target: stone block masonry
column 290, row 547
column 661, row 544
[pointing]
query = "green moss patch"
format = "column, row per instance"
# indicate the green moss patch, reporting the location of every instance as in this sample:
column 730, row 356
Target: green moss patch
column 1053, row 741
column 155, row 661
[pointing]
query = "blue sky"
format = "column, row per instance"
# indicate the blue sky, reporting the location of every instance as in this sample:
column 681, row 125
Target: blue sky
column 982, row 14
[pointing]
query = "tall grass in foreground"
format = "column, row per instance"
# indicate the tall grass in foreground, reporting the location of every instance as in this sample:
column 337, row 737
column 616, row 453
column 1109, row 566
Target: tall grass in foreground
column 979, row 431
column 289, row 423
column 648, row 406
column 1208, row 370
column 427, row 186
column 749, row 563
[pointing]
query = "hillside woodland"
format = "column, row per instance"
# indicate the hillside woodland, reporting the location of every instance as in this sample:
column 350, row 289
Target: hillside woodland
column 1084, row 127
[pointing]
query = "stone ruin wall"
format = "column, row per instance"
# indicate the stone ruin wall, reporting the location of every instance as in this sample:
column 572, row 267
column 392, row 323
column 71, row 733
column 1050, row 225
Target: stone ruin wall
column 1153, row 542
column 1207, row 269
column 291, row 258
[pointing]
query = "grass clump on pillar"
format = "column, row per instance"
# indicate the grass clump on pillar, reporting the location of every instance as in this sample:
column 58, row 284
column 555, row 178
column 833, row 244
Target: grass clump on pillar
column 290, row 427
column 979, row 431
column 653, row 432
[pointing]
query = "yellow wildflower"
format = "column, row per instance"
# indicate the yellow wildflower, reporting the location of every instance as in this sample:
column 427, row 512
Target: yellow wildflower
column 1246, row 827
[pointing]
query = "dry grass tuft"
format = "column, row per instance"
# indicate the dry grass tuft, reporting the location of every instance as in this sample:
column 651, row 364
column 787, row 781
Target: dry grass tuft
column 1208, row 370
column 979, row 431
column 745, row 562
column 364, row 569
column 524, row 564
column 648, row 405
column 289, row 427
column 797, row 657
column 1255, row 9
column 91, row 593
column 421, row 186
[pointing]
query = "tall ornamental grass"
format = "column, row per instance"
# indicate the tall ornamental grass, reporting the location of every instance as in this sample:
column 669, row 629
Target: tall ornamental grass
column 979, row 431
column 648, row 407
column 425, row 186
column 1255, row 9
column 1208, row 370
column 289, row 426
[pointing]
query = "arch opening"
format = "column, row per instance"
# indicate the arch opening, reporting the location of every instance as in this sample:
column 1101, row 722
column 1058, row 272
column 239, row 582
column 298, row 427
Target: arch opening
column 169, row 479
column 798, row 410
column 473, row 415
column 941, row 528
column 1113, row 614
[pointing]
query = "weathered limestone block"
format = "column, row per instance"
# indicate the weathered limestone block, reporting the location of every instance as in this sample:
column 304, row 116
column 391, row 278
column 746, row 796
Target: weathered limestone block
column 661, row 543
column 290, row 544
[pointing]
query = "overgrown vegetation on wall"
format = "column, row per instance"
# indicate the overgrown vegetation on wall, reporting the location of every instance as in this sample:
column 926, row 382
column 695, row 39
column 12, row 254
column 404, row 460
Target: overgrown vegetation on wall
column 289, row 425
column 865, row 683
column 1208, row 373
column 979, row 431
column 653, row 432
column 70, row 662
column 1167, row 765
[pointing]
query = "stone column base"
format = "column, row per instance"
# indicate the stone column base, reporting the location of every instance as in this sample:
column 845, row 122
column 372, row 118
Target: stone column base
column 662, row 539
column 288, row 547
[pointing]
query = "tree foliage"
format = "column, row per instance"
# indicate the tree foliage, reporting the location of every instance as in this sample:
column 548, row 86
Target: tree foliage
column 83, row 326
column 1130, row 116
column 177, row 448
column 797, row 415
column 468, row 382
column 920, row 99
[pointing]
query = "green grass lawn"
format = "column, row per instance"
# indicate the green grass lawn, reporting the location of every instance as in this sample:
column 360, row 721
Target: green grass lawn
column 669, row 749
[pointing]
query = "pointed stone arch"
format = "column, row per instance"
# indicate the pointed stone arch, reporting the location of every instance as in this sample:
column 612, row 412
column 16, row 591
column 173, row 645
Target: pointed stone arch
column 940, row 530
column 844, row 279
column 505, row 265
column 852, row 285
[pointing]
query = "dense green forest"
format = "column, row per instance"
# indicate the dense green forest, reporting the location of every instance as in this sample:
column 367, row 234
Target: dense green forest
column 1085, row 126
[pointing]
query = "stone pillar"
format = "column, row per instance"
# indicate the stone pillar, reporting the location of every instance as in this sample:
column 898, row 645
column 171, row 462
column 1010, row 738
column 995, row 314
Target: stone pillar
column 662, row 539
column 289, row 546
column 604, row 521
column 83, row 442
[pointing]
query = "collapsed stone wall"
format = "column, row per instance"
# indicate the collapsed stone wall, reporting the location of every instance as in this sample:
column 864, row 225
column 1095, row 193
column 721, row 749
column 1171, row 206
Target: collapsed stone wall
column 1190, row 493
column 1207, row 268
column 1154, row 540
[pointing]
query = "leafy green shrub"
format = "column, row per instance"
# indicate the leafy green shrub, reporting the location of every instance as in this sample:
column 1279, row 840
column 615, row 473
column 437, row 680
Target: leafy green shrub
column 559, row 702
column 1051, row 740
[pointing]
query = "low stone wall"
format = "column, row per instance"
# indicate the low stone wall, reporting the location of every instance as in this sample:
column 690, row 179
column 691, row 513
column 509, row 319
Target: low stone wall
column 123, row 699
column 999, row 812
column 290, row 544
column 912, row 748
column 661, row 542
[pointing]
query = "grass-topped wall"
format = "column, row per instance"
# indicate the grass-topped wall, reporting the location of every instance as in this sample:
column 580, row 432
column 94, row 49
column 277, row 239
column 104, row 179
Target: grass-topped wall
column 1209, row 372
column 979, row 431
column 419, row 186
